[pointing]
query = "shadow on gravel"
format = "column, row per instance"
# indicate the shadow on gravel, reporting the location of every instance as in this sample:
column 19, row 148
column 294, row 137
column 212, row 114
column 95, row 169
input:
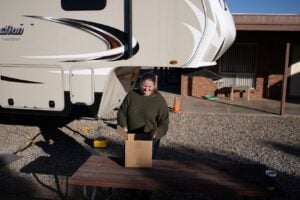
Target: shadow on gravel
column 26, row 120
column 6, row 159
column 290, row 182
column 65, row 154
column 294, row 151
column 51, row 172
column 10, row 183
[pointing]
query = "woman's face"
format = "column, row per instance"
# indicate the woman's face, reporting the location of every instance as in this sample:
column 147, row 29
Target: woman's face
column 147, row 87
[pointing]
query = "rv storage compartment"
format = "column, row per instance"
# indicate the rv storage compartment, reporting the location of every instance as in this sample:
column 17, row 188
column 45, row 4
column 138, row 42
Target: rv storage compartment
column 82, row 86
column 34, row 88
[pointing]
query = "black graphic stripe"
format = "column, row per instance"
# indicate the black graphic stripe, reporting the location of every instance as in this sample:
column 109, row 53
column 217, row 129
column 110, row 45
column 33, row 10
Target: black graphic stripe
column 134, row 51
column 122, row 36
column 113, row 37
column 92, row 29
column 10, row 79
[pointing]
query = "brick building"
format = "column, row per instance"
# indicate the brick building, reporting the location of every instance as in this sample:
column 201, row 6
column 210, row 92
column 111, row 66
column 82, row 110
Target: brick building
column 257, row 60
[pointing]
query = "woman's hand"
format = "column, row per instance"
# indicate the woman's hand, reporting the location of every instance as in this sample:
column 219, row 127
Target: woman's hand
column 125, row 129
column 153, row 133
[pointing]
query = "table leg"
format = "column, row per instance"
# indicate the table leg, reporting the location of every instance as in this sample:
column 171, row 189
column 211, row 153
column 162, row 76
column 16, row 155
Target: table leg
column 247, row 91
column 93, row 195
column 110, row 194
column 85, row 192
column 94, row 192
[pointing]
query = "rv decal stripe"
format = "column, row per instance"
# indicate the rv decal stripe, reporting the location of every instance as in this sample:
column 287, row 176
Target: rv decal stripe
column 111, row 39
column 114, row 38
column 10, row 79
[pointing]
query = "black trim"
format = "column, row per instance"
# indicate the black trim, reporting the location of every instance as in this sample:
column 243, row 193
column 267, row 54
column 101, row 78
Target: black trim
column 77, row 5
column 219, row 50
column 69, row 109
column 16, row 80
column 134, row 51
column 109, row 57
column 128, row 27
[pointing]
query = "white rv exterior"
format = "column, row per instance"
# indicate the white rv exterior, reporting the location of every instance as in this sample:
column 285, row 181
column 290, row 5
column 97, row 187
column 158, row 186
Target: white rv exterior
column 56, row 54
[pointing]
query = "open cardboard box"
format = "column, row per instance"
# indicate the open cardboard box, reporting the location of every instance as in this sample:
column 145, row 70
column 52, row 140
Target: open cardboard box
column 138, row 149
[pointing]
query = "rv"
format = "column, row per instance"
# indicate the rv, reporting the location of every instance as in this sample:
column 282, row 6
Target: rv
column 57, row 55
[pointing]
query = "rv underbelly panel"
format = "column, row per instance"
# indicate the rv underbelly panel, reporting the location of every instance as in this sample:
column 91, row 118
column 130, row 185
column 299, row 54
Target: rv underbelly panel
column 34, row 88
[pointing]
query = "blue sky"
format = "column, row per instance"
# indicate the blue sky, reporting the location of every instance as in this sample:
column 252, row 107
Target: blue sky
column 264, row 6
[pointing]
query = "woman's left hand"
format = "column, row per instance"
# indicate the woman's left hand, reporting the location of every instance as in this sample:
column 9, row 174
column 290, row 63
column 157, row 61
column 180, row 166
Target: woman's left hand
column 153, row 133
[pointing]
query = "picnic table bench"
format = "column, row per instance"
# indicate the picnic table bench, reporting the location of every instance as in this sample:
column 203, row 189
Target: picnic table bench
column 239, row 88
column 186, row 176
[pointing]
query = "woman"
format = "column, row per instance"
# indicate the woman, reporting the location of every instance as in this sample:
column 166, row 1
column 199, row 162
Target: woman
column 145, row 111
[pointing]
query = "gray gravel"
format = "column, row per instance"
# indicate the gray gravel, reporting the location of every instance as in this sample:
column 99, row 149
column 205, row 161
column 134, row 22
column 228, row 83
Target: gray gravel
column 59, row 147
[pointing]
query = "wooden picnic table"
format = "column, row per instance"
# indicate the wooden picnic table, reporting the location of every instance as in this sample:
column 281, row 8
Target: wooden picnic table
column 187, row 176
column 239, row 88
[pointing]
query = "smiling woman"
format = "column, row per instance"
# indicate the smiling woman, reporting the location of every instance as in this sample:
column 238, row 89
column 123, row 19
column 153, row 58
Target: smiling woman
column 145, row 111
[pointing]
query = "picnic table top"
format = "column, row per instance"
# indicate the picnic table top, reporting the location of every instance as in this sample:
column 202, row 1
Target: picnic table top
column 188, row 176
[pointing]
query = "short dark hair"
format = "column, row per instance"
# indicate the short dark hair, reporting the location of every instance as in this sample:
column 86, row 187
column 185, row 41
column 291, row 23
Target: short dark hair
column 149, row 76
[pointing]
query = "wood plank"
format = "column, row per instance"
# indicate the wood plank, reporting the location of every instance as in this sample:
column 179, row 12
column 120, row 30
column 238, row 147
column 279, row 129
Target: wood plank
column 171, row 165
column 191, row 185
column 172, row 175
column 90, row 167
column 215, row 175
column 179, row 175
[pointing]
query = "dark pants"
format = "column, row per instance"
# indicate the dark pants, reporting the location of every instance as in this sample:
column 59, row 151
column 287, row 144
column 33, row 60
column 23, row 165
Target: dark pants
column 155, row 146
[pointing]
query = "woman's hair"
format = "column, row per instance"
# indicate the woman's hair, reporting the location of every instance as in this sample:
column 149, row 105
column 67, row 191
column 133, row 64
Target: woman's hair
column 149, row 76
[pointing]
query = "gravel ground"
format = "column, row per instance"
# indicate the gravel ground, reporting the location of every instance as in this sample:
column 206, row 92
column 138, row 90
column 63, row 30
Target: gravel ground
column 50, row 150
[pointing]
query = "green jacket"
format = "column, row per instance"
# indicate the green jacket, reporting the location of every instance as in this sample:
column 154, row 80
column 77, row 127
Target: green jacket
column 141, row 113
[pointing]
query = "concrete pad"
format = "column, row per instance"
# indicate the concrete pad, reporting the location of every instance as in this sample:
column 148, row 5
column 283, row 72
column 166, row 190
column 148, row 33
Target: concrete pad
column 236, row 106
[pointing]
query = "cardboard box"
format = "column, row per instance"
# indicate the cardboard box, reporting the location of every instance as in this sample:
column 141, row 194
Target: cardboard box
column 138, row 149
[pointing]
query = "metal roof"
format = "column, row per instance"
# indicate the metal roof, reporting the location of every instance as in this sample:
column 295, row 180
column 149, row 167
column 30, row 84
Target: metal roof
column 266, row 22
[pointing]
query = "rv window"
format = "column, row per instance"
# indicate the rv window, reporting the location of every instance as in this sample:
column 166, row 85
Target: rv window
column 73, row 5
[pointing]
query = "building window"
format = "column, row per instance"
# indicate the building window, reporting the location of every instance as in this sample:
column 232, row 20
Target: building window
column 238, row 65
column 240, row 58
column 76, row 5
